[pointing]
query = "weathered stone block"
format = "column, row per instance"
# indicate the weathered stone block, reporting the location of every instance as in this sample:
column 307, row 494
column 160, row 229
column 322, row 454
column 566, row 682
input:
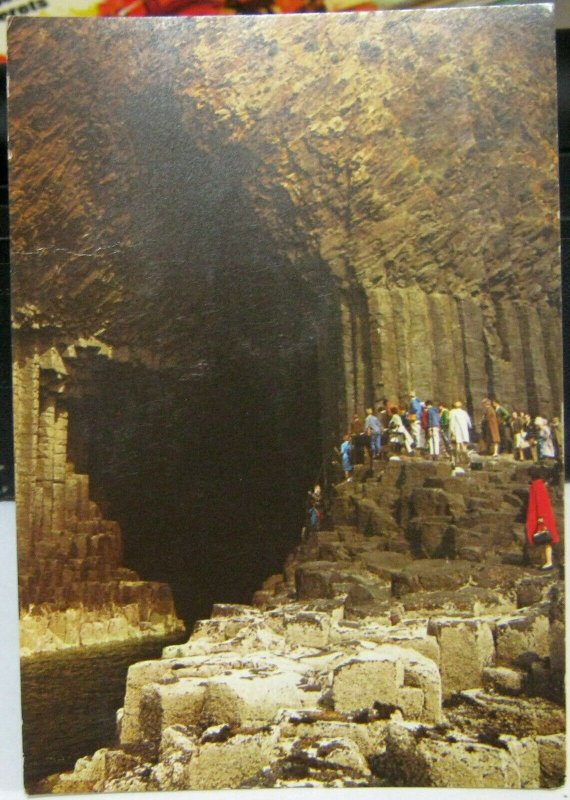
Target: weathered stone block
column 118, row 629
column 92, row 633
column 360, row 682
column 525, row 756
column 332, row 551
column 307, row 629
column 557, row 638
column 384, row 564
column 552, row 759
column 314, row 579
column 523, row 638
column 503, row 680
column 178, row 741
column 340, row 754
column 431, row 575
column 253, row 697
column 423, row 644
column 368, row 739
column 139, row 676
column 432, row 537
column 412, row 760
column 429, row 502
column 228, row 764
column 385, row 676
column 164, row 705
column 466, row 647
column 361, row 589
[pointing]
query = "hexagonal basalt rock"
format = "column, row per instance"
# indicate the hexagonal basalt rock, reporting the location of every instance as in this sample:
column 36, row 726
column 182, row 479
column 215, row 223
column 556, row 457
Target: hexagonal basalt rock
column 467, row 647
column 524, row 637
column 416, row 758
column 388, row 677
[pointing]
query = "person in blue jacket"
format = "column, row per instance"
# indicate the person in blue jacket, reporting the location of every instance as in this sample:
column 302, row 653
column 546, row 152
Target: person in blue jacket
column 433, row 429
column 346, row 456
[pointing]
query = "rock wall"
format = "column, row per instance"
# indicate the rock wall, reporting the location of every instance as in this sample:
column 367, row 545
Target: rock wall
column 450, row 348
column 424, row 211
column 73, row 588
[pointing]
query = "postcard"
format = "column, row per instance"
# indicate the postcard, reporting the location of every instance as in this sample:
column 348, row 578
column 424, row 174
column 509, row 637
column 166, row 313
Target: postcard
column 288, row 401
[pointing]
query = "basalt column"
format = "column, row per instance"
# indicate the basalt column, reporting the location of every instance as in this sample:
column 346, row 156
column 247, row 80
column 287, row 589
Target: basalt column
column 449, row 348
column 73, row 588
column 357, row 361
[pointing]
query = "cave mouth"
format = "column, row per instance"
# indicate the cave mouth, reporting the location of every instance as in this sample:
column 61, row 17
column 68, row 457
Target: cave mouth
column 206, row 465
column 205, row 460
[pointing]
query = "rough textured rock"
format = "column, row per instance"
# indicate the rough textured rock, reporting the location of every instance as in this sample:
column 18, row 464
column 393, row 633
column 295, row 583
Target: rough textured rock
column 466, row 647
column 523, row 638
column 80, row 301
column 389, row 676
column 73, row 590
column 418, row 280
column 335, row 676
column 414, row 758
column 503, row 680
column 327, row 691
column 552, row 759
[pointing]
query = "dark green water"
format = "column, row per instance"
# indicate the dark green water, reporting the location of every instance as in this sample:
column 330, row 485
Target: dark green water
column 69, row 703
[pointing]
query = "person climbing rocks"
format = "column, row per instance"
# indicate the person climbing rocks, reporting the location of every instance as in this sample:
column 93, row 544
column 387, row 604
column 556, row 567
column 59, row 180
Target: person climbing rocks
column 398, row 434
column 540, row 522
column 314, row 509
column 444, row 416
column 519, row 436
column 504, row 420
column 544, row 442
column 383, row 414
column 373, row 428
column 346, row 456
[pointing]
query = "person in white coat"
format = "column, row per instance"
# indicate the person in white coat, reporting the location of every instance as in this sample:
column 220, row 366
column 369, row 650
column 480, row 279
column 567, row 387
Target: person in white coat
column 459, row 427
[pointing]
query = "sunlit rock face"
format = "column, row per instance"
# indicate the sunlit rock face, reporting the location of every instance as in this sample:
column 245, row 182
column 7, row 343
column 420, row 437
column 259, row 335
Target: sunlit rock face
column 218, row 257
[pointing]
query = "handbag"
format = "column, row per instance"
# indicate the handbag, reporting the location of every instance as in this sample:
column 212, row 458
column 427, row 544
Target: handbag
column 542, row 537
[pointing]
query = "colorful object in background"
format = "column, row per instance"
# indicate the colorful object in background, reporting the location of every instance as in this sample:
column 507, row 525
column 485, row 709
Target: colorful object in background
column 154, row 8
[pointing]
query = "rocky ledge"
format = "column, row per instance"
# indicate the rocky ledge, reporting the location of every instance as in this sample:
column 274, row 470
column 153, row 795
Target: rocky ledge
column 74, row 591
column 143, row 610
column 362, row 664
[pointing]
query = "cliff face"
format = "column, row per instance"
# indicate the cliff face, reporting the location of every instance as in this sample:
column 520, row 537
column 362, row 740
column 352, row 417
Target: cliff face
column 310, row 213
column 74, row 590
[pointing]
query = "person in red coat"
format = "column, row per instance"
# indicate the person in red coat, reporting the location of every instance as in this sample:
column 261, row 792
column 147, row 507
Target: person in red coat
column 540, row 516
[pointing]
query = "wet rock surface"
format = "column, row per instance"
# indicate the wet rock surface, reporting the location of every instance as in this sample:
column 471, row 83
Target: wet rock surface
column 331, row 679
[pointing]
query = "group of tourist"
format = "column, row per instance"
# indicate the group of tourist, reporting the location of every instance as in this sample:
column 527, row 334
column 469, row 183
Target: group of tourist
column 425, row 427
column 428, row 427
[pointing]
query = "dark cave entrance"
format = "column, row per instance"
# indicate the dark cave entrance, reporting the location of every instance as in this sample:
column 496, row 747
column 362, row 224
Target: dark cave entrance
column 205, row 458
column 206, row 463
